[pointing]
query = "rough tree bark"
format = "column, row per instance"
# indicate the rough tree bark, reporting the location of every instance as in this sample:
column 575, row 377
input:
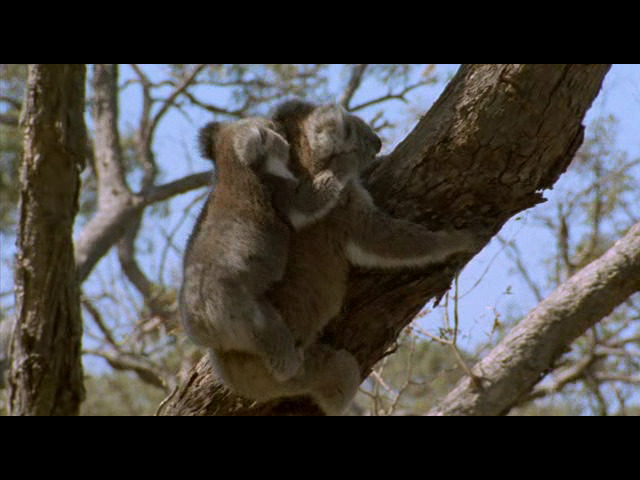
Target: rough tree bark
column 497, row 136
column 46, row 369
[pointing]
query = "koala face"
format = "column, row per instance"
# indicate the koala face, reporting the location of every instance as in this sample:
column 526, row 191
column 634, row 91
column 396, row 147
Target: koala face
column 339, row 140
column 327, row 137
column 251, row 142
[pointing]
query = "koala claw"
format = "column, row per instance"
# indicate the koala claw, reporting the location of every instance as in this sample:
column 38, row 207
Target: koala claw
column 286, row 366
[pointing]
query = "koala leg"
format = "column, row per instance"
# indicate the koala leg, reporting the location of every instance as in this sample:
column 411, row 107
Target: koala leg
column 330, row 377
column 231, row 319
column 274, row 339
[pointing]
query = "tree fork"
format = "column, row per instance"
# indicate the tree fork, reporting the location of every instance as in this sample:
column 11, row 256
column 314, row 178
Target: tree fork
column 496, row 137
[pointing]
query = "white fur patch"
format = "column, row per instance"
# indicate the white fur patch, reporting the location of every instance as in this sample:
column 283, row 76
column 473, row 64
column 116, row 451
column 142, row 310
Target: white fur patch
column 360, row 257
column 300, row 220
column 278, row 166
column 247, row 146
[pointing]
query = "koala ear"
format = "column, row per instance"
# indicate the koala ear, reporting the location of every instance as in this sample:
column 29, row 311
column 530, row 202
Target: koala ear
column 292, row 108
column 207, row 139
column 248, row 143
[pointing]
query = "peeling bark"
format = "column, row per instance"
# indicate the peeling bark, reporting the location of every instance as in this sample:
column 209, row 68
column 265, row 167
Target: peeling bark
column 496, row 137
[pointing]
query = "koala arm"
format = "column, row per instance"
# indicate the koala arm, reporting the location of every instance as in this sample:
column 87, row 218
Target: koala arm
column 313, row 200
column 380, row 241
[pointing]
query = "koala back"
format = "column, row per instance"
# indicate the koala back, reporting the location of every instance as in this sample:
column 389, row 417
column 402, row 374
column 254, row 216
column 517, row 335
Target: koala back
column 315, row 279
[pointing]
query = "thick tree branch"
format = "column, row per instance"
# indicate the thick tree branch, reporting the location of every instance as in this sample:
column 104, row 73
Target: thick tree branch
column 129, row 264
column 513, row 367
column 497, row 136
column 116, row 203
column 108, row 153
column 119, row 210
column 176, row 187
column 8, row 119
column 109, row 225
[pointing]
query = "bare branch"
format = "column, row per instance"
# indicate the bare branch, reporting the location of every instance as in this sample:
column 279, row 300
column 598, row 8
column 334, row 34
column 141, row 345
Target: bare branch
column 99, row 321
column 16, row 104
column 608, row 377
column 238, row 113
column 108, row 225
column 186, row 81
column 8, row 119
column 170, row 235
column 108, row 152
column 102, row 232
column 357, row 73
column 517, row 258
column 176, row 187
column 391, row 96
column 146, row 371
column 532, row 347
column 129, row 264
column 563, row 378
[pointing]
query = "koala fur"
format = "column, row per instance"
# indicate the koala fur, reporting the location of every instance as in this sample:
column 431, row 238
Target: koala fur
column 353, row 233
column 239, row 245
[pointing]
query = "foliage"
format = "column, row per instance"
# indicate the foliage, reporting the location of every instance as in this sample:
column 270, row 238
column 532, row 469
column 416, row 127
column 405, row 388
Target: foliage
column 411, row 380
column 12, row 82
column 119, row 393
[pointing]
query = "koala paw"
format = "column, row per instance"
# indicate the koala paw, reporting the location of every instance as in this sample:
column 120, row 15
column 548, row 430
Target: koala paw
column 286, row 365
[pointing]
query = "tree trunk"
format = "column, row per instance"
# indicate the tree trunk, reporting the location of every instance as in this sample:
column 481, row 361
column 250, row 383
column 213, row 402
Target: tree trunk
column 496, row 136
column 46, row 369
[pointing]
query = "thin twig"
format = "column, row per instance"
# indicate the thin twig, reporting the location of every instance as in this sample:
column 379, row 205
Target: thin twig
column 357, row 73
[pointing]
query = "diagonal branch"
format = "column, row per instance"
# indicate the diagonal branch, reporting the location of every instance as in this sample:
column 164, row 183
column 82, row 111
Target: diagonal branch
column 357, row 73
column 8, row 119
column 401, row 95
column 176, row 187
column 513, row 367
column 109, row 225
column 180, row 88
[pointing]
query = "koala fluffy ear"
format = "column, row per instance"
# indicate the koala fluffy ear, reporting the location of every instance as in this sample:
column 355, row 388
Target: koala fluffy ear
column 207, row 139
column 249, row 145
column 292, row 109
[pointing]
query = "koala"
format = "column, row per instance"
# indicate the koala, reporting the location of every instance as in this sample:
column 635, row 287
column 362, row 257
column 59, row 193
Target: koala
column 354, row 233
column 239, row 245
